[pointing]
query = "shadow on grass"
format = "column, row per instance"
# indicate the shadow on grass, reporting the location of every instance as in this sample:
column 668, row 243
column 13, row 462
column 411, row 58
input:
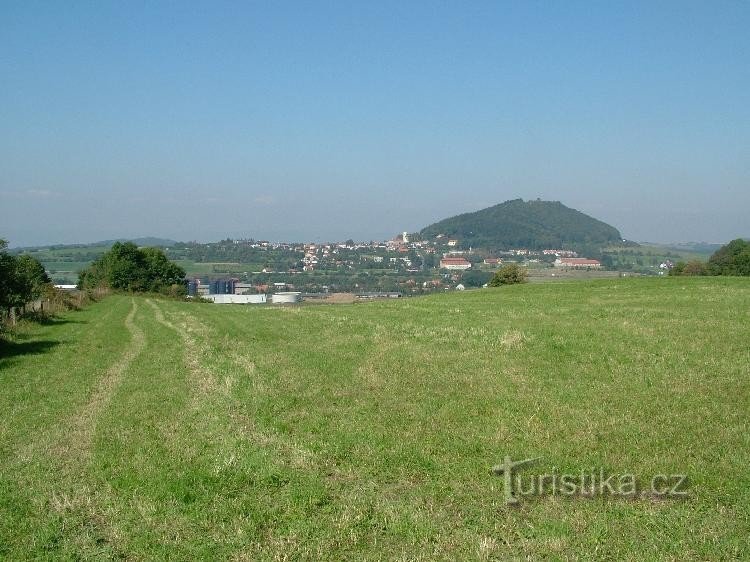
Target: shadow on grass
column 10, row 350
column 49, row 320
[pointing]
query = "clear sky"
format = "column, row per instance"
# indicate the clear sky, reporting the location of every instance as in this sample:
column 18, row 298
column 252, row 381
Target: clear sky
column 296, row 120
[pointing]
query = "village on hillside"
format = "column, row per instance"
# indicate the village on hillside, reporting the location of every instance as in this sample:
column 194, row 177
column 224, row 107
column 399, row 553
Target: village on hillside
column 376, row 269
column 254, row 271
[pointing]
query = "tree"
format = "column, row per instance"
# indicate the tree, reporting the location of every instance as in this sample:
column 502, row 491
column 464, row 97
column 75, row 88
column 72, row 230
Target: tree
column 678, row 268
column 7, row 277
column 694, row 267
column 160, row 272
column 509, row 274
column 31, row 278
column 127, row 267
column 731, row 259
column 22, row 279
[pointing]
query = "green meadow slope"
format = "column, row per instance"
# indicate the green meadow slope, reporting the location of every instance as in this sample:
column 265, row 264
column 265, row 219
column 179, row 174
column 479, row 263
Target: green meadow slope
column 150, row 429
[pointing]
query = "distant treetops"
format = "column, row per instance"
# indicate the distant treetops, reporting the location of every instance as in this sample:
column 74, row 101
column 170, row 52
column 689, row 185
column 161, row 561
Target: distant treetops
column 731, row 259
column 130, row 268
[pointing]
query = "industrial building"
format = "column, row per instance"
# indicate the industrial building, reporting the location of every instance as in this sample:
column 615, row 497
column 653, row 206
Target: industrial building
column 236, row 299
column 286, row 297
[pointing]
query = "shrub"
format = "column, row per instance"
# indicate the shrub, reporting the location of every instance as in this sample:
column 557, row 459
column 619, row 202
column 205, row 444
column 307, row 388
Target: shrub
column 510, row 274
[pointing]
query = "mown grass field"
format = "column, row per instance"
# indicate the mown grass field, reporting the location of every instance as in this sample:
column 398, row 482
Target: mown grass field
column 149, row 429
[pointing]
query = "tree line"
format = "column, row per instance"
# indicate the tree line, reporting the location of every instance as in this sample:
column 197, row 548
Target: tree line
column 731, row 259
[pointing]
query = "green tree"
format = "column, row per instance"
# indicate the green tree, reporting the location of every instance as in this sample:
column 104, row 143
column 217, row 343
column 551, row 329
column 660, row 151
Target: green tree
column 509, row 274
column 22, row 279
column 694, row 267
column 31, row 278
column 8, row 281
column 731, row 259
column 160, row 271
column 129, row 268
column 678, row 268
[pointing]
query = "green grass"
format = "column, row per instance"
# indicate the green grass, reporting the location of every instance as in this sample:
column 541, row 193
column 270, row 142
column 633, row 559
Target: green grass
column 149, row 429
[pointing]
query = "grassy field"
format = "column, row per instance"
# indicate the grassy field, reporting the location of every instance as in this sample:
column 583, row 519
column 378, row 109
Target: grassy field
column 150, row 429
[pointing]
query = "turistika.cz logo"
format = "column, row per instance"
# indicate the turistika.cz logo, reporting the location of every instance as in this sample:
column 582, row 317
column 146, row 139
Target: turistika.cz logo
column 587, row 483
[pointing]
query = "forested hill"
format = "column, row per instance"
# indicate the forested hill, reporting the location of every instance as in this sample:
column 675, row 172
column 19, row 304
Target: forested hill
column 525, row 224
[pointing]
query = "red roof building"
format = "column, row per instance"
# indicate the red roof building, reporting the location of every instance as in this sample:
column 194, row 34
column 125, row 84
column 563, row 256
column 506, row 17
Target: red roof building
column 455, row 263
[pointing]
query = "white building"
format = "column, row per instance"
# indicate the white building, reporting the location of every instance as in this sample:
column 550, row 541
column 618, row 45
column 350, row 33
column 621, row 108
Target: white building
column 286, row 297
column 236, row 299
column 577, row 263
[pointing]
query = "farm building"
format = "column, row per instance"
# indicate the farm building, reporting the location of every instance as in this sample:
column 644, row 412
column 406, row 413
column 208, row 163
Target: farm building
column 455, row 263
column 577, row 263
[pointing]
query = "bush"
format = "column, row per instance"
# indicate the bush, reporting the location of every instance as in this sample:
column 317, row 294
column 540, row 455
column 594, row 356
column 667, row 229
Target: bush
column 510, row 274
column 693, row 267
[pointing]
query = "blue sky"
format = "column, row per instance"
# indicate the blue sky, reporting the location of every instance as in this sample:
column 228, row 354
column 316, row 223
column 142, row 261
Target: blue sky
column 330, row 120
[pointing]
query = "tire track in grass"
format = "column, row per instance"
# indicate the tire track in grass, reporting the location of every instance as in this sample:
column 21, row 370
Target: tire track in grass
column 253, row 464
column 219, row 394
column 79, row 501
column 202, row 378
column 81, row 436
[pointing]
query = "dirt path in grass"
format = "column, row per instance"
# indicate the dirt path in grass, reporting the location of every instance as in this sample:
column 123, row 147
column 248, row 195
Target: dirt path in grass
column 81, row 437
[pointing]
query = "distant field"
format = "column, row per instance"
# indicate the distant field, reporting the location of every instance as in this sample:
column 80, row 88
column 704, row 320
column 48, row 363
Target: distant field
column 150, row 429
column 196, row 268
column 646, row 258
column 561, row 274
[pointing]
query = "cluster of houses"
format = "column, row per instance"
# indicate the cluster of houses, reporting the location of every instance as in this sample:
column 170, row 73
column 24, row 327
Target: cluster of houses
column 316, row 255
column 397, row 253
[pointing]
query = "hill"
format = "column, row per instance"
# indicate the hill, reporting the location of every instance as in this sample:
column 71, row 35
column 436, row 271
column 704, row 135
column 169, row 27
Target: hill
column 143, row 241
column 148, row 429
column 525, row 224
